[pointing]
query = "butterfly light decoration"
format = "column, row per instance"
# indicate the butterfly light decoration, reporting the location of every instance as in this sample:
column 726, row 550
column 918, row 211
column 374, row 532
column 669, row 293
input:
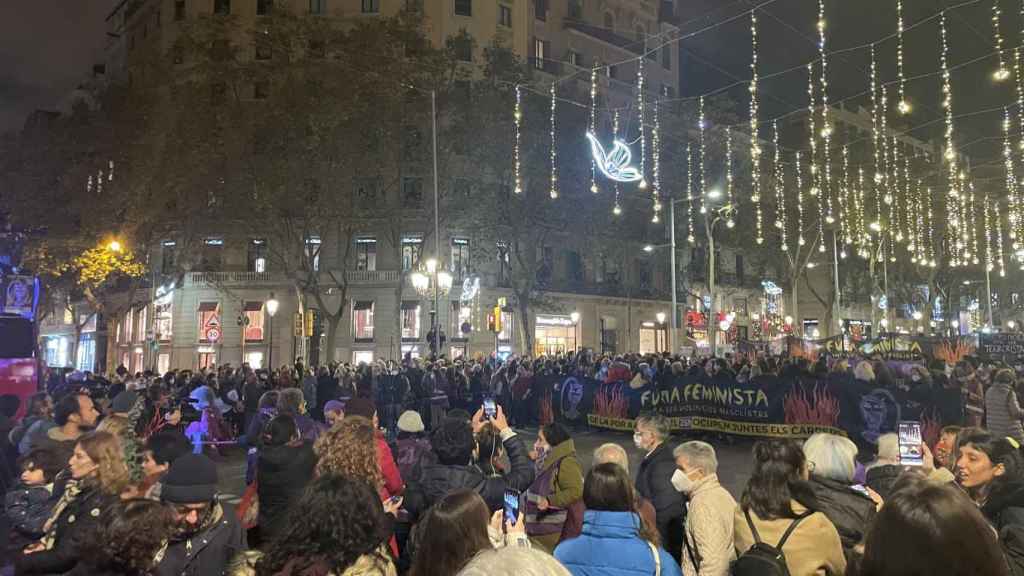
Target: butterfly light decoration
column 614, row 164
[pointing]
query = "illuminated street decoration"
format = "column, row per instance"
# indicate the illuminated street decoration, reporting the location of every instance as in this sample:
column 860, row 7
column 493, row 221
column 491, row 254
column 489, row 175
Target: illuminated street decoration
column 615, row 164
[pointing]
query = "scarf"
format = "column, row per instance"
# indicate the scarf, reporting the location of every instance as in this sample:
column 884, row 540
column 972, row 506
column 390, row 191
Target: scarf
column 71, row 492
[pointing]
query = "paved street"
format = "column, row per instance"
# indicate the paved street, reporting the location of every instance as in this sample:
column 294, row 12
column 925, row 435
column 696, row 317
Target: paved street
column 733, row 459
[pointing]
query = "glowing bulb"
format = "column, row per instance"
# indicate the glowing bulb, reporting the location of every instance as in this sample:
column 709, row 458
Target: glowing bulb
column 617, row 210
column 730, row 223
column 829, row 219
column 903, row 107
column 643, row 184
column 1001, row 74
column 593, row 188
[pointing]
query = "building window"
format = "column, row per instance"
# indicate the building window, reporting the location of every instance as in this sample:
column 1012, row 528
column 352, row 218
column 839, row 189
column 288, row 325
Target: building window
column 317, row 6
column 412, row 249
column 739, row 306
column 261, row 90
column 463, row 7
column 263, row 50
column 540, row 9
column 613, row 71
column 666, row 56
column 168, row 254
column 163, row 317
column 264, row 7
column 504, row 16
column 410, row 320
column 504, row 265
column 253, row 320
column 140, row 336
column 540, row 53
column 366, row 194
column 460, row 257
column 362, row 320
column 412, row 143
column 609, row 22
column 312, row 252
column 129, row 326
column 415, row 6
column 508, row 327
column 212, row 253
column 366, row 253
column 461, row 314
column 257, row 255
column 575, row 58
column 179, row 10
column 576, row 9
column 371, row 6
column 412, row 192
column 222, row 7
column 209, row 322
column 463, row 47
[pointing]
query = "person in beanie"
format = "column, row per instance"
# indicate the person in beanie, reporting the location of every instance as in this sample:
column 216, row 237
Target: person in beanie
column 334, row 412
column 385, row 459
column 208, row 534
column 413, row 447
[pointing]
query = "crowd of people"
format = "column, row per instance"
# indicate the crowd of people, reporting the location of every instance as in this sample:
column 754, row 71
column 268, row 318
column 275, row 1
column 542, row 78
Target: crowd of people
column 416, row 468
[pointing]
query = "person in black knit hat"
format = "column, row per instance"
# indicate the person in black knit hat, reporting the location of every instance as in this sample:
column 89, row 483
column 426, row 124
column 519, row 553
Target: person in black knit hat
column 208, row 532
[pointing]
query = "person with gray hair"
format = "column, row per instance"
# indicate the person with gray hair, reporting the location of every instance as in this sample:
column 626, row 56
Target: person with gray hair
column 514, row 561
column 883, row 472
column 654, row 480
column 850, row 507
column 615, row 454
column 291, row 402
column 708, row 546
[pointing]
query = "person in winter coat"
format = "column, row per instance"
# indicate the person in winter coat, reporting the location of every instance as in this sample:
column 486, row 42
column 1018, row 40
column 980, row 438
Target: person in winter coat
column 991, row 470
column 98, row 475
column 708, row 547
column 127, row 540
column 883, row 472
column 332, row 504
column 614, row 541
column 28, row 505
column 454, row 444
column 1002, row 409
column 40, row 408
column 291, row 402
column 365, row 407
column 776, row 496
column 412, row 449
column 267, row 411
column 831, row 460
column 654, row 480
column 557, row 487
column 207, row 531
column 286, row 465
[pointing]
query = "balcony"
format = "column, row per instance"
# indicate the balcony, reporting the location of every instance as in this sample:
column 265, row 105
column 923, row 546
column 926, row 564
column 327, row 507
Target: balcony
column 545, row 65
column 608, row 37
column 371, row 276
column 231, row 278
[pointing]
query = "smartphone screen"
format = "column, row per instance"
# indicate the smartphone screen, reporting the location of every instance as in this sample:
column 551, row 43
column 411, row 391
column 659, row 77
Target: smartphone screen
column 861, row 488
column 910, row 443
column 490, row 409
column 511, row 506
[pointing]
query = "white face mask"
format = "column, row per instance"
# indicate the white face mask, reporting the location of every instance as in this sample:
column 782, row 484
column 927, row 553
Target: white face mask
column 682, row 482
column 638, row 440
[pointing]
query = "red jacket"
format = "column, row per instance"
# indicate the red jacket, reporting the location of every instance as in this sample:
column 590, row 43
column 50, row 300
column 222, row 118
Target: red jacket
column 393, row 485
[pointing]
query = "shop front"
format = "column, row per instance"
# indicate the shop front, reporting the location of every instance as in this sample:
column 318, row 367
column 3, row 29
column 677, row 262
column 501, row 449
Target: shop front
column 554, row 335
column 653, row 338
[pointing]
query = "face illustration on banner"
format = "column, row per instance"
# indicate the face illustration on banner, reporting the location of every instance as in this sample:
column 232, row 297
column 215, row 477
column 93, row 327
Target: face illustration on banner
column 880, row 412
column 572, row 395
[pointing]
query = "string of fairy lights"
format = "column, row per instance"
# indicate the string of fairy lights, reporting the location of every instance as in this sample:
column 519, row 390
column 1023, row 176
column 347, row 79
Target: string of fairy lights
column 881, row 207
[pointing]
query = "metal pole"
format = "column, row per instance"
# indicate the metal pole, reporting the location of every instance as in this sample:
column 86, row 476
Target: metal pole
column 270, row 347
column 712, row 316
column 885, row 285
column 672, row 263
column 835, row 268
column 437, row 230
column 988, row 293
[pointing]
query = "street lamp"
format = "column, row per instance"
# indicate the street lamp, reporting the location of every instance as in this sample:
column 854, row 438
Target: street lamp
column 433, row 281
column 114, row 246
column 272, row 305
column 575, row 317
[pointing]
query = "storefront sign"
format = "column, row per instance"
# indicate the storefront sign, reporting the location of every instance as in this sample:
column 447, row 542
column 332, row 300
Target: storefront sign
column 554, row 321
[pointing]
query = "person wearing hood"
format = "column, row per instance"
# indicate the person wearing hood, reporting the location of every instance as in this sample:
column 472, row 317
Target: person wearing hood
column 1002, row 409
column 831, row 463
column 285, row 466
column 708, row 546
column 207, row 531
column 556, row 489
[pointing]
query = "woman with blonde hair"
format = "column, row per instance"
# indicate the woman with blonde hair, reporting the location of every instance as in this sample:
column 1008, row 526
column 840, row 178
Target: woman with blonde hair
column 98, row 476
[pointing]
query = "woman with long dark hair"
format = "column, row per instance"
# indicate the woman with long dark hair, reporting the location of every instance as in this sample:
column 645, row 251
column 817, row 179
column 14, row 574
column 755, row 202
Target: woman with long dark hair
column 777, row 497
column 928, row 528
column 127, row 539
column 457, row 528
column 338, row 527
column 991, row 470
column 285, row 466
column 614, row 540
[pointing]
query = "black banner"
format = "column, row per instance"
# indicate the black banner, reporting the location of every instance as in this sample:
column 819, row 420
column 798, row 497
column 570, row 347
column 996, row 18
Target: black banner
column 1001, row 346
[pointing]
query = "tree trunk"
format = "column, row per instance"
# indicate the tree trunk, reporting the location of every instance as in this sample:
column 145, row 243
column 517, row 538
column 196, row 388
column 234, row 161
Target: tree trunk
column 524, row 324
column 333, row 322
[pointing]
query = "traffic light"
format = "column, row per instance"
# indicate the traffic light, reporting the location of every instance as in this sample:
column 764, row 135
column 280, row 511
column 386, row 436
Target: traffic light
column 497, row 319
column 309, row 322
column 490, row 323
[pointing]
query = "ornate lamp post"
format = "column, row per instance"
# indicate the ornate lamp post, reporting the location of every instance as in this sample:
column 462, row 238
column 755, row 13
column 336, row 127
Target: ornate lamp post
column 433, row 281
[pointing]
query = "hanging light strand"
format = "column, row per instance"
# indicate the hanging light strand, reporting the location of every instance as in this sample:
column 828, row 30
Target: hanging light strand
column 656, row 166
column 1001, row 73
column 1011, row 175
column 876, row 222
column 844, row 199
column 950, row 152
column 1015, row 229
column 895, row 232
column 826, row 125
column 972, row 225
column 1000, row 255
column 593, row 127
column 813, row 156
column 904, row 104
column 755, row 146
column 689, row 195
column 930, row 245
column 728, row 177
column 989, row 257
column 779, row 181
column 643, row 119
column 517, row 115
column 800, row 241
column 702, row 127
column 554, row 150
column 617, row 209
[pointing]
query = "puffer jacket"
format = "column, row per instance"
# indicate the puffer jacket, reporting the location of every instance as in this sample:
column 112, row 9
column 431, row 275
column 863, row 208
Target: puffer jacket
column 882, row 478
column 438, row 480
column 851, row 512
column 28, row 508
column 282, row 474
column 1003, row 412
column 709, row 529
column 610, row 545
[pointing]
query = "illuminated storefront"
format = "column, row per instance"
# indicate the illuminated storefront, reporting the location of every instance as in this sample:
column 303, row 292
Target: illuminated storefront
column 554, row 335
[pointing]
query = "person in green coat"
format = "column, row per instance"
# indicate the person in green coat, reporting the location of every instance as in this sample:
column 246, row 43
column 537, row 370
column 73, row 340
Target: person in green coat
column 557, row 489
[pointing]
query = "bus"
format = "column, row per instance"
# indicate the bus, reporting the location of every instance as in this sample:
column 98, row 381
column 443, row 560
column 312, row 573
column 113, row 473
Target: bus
column 19, row 373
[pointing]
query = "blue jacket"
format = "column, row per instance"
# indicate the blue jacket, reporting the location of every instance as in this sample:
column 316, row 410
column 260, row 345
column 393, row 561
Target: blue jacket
column 610, row 545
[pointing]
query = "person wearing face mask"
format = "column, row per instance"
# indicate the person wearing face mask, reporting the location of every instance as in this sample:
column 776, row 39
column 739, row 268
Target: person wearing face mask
column 555, row 493
column 708, row 547
column 654, row 480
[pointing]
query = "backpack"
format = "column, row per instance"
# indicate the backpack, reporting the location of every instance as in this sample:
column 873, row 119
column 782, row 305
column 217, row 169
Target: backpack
column 764, row 559
column 1011, row 540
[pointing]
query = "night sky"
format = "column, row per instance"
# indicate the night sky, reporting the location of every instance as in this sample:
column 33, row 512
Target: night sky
column 47, row 47
column 52, row 44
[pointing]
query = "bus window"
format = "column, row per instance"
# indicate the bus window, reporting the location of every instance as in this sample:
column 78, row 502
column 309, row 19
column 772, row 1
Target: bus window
column 16, row 338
